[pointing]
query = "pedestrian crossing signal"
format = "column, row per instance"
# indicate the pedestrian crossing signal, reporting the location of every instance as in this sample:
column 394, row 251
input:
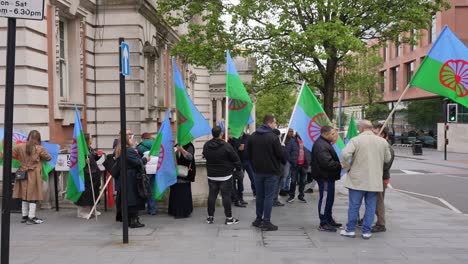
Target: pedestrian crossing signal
column 452, row 113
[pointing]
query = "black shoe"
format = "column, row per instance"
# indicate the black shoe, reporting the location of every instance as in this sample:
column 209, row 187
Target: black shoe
column 24, row 219
column 239, row 204
column 34, row 221
column 231, row 221
column 290, row 200
column 134, row 223
column 244, row 202
column 302, row 199
column 269, row 227
column 257, row 223
column 310, row 190
column 335, row 224
column 210, row 220
column 278, row 203
column 326, row 228
column 378, row 228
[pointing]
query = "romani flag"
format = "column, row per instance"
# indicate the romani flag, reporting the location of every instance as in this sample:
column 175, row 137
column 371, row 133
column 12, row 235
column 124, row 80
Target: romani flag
column 444, row 70
column 190, row 122
column 309, row 117
column 240, row 105
column 166, row 172
column 47, row 166
column 352, row 130
column 79, row 151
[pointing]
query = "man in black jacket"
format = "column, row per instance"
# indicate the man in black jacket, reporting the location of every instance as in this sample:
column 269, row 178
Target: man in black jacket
column 221, row 161
column 297, row 156
column 326, row 169
column 266, row 154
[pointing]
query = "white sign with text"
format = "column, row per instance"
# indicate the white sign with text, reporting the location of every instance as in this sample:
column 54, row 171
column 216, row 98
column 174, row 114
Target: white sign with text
column 22, row 9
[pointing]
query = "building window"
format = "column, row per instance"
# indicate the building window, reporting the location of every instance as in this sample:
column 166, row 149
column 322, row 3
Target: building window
column 384, row 55
column 383, row 80
column 63, row 69
column 397, row 50
column 150, row 80
column 394, row 77
column 413, row 35
column 409, row 71
column 432, row 30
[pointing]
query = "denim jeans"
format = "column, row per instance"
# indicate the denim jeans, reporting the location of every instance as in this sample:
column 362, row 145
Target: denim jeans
column 298, row 176
column 287, row 177
column 326, row 200
column 265, row 185
column 152, row 207
column 355, row 200
column 214, row 188
column 247, row 167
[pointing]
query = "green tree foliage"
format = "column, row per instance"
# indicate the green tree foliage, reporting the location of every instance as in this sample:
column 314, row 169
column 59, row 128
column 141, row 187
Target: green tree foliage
column 308, row 37
column 376, row 112
column 425, row 114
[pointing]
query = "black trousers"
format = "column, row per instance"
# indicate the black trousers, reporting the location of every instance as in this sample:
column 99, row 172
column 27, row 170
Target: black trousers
column 214, row 188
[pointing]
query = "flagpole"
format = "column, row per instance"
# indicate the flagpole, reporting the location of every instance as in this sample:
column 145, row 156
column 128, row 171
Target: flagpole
column 294, row 111
column 92, row 186
column 99, row 197
column 394, row 108
column 226, row 120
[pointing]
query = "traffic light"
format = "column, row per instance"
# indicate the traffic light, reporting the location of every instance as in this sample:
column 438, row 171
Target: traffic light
column 452, row 112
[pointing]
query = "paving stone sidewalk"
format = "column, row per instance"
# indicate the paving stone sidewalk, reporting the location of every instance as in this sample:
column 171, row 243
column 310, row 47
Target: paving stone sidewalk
column 418, row 232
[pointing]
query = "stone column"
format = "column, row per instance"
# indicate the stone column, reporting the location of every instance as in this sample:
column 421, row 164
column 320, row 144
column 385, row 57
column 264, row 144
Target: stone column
column 219, row 109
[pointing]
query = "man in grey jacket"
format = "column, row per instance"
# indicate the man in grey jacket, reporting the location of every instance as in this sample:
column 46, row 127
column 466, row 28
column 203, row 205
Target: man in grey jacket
column 364, row 159
column 380, row 209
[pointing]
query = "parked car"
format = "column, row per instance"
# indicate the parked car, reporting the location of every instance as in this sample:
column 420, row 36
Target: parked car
column 408, row 137
column 428, row 141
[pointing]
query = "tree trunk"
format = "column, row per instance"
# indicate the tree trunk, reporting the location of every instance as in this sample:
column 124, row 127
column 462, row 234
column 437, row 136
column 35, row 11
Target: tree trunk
column 329, row 85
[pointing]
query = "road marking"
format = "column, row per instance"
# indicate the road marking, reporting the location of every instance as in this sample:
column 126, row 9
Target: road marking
column 411, row 172
column 451, row 207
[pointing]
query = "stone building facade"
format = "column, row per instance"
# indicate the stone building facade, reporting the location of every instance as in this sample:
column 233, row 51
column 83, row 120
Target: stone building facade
column 72, row 58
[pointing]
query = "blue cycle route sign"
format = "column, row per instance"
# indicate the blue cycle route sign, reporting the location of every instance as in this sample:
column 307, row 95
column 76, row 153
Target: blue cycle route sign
column 125, row 65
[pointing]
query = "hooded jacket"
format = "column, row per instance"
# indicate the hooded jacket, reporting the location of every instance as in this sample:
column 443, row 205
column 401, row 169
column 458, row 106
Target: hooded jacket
column 221, row 158
column 265, row 151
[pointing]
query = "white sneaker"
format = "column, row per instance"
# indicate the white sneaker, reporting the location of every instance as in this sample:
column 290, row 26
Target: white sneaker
column 366, row 235
column 348, row 234
column 97, row 213
column 82, row 215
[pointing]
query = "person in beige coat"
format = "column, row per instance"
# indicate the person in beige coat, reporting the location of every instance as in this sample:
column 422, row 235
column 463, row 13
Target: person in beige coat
column 30, row 155
column 364, row 158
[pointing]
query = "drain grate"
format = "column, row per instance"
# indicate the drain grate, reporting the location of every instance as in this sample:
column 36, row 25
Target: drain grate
column 287, row 238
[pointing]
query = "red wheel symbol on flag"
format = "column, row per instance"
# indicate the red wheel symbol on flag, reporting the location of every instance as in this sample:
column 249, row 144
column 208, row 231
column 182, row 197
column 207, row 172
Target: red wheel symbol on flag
column 74, row 155
column 237, row 105
column 316, row 123
column 161, row 158
column 18, row 138
column 454, row 75
column 180, row 118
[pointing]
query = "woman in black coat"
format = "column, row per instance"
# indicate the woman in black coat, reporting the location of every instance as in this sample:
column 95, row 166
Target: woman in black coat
column 180, row 197
column 86, row 201
column 135, row 166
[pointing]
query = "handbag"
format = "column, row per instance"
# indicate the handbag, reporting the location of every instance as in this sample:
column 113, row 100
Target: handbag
column 143, row 185
column 21, row 175
column 182, row 171
column 115, row 169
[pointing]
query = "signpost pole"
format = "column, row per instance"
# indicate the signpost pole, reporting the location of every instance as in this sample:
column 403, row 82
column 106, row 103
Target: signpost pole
column 7, row 137
column 123, row 137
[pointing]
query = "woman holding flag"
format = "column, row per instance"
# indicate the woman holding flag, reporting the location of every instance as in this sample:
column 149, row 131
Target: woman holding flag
column 180, row 197
column 135, row 165
column 30, row 155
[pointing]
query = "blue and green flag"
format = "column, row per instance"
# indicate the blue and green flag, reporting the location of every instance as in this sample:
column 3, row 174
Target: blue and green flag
column 79, row 151
column 166, row 174
column 190, row 122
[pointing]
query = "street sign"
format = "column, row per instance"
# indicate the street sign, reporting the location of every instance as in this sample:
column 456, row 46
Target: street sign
column 22, row 9
column 125, row 66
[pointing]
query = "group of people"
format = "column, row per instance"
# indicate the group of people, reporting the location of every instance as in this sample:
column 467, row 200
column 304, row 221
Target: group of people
column 273, row 167
column 280, row 168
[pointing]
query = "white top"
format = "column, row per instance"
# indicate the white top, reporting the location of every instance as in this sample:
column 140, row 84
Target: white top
column 225, row 178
